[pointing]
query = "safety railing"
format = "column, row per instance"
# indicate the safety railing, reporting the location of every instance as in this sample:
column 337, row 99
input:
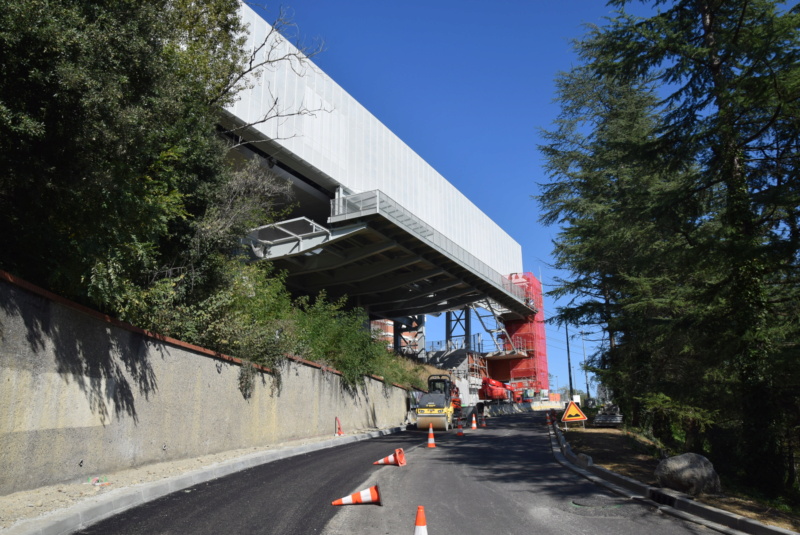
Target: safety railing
column 523, row 343
column 474, row 344
column 377, row 202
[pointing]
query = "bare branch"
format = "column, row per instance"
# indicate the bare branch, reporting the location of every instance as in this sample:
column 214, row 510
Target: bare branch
column 274, row 51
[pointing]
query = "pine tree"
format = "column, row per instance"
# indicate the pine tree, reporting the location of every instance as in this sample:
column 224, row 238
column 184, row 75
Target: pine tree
column 723, row 277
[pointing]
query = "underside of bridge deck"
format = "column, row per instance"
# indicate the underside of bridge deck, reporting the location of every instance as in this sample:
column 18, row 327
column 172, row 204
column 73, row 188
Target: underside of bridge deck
column 378, row 265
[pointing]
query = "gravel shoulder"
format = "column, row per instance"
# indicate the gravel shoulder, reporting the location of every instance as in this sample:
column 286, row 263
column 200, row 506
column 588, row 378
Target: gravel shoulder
column 634, row 456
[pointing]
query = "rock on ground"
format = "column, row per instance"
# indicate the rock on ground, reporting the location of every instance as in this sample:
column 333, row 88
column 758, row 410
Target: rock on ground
column 690, row 473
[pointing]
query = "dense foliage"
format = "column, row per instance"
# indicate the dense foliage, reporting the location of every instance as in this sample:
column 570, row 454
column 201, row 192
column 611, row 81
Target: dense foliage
column 675, row 178
column 117, row 190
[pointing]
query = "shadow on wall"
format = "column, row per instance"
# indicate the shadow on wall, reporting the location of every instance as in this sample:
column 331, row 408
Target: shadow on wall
column 109, row 364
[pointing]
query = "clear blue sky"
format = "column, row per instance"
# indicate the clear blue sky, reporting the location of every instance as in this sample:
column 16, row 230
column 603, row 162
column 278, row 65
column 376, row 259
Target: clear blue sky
column 467, row 85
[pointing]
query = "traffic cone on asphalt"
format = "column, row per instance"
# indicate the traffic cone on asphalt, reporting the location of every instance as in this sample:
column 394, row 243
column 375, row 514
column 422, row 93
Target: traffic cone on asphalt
column 339, row 431
column 421, row 525
column 370, row 495
column 431, row 442
column 397, row 458
column 460, row 429
column 474, row 423
column 547, row 414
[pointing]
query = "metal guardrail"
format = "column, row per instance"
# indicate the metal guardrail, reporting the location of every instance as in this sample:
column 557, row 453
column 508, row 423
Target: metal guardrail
column 476, row 345
column 608, row 420
column 523, row 343
column 377, row 202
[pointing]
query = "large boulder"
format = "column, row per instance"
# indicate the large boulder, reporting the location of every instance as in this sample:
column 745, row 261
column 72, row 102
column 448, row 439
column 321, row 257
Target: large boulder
column 690, row 473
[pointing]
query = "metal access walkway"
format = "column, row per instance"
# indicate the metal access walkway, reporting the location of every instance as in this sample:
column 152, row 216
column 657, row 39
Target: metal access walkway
column 385, row 259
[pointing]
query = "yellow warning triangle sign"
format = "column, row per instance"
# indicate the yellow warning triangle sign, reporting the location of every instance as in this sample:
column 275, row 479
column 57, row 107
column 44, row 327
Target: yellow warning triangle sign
column 573, row 413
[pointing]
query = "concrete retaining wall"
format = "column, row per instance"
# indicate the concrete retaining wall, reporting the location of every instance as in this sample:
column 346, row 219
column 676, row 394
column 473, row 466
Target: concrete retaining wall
column 82, row 395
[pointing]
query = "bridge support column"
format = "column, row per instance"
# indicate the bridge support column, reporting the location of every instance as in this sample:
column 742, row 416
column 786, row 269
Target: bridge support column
column 458, row 333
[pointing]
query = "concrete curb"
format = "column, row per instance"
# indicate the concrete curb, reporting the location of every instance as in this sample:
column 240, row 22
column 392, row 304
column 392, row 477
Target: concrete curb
column 93, row 510
column 667, row 501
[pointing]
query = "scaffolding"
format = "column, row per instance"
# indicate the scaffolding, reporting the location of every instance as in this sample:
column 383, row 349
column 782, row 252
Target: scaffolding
column 527, row 337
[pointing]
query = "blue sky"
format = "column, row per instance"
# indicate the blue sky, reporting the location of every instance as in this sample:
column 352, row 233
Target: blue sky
column 467, row 85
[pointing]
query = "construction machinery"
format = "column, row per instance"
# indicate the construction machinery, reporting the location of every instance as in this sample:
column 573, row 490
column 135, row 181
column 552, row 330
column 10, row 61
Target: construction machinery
column 440, row 404
column 494, row 391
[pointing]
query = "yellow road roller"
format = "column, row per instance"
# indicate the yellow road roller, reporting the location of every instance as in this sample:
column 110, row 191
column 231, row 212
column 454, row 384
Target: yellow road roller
column 439, row 404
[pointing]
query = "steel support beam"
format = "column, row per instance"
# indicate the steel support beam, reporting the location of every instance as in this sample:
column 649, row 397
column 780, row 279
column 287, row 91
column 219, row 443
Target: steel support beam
column 458, row 324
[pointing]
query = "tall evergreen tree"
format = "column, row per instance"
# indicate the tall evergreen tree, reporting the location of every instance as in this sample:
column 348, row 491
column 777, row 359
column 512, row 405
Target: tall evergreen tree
column 733, row 72
column 622, row 237
column 723, row 278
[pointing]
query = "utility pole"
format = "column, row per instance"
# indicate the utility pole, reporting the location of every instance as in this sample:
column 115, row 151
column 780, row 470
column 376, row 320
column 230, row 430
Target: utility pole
column 585, row 371
column 569, row 364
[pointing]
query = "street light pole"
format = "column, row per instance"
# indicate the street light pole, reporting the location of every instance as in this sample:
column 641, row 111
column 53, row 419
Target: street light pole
column 569, row 364
column 585, row 371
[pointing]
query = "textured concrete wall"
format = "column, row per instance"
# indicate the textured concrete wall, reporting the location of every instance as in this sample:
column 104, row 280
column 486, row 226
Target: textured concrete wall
column 82, row 395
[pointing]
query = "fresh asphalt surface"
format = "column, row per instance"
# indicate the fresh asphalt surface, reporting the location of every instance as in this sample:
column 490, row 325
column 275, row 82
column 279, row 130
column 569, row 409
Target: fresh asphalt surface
column 502, row 479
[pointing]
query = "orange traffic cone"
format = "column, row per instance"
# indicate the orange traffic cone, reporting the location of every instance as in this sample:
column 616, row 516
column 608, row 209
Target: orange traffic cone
column 370, row 495
column 431, row 442
column 460, row 429
column 474, row 423
column 547, row 414
column 339, row 431
column 483, row 421
column 421, row 525
column 397, row 458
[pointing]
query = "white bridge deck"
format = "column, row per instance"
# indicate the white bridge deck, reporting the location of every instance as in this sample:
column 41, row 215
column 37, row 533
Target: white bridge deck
column 375, row 221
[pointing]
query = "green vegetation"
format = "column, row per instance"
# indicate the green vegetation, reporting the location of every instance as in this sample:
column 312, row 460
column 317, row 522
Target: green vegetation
column 674, row 173
column 118, row 191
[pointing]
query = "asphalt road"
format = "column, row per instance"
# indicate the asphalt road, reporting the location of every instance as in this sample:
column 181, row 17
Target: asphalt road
column 502, row 479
